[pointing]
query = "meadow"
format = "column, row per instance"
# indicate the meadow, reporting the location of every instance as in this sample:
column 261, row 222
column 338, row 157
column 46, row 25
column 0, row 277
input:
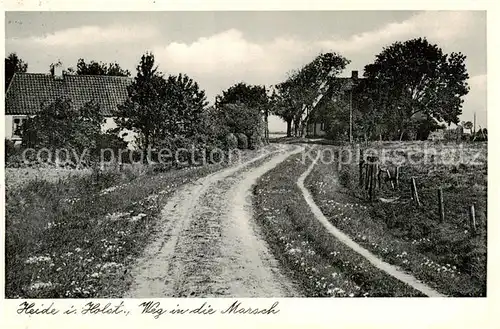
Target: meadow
column 76, row 236
column 450, row 254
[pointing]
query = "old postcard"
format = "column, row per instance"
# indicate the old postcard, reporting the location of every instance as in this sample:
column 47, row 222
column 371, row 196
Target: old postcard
column 172, row 167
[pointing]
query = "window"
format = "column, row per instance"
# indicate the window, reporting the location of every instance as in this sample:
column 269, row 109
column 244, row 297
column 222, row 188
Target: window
column 322, row 127
column 16, row 127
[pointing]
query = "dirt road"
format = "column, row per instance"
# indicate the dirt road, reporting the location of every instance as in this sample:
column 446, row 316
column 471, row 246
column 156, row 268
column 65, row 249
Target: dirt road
column 209, row 245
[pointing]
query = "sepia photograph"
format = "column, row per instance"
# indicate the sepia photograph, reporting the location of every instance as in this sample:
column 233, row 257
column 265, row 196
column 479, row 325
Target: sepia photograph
column 234, row 154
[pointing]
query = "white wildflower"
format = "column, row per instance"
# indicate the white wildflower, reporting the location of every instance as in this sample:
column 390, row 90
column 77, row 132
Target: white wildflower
column 40, row 285
column 38, row 259
column 115, row 216
column 137, row 217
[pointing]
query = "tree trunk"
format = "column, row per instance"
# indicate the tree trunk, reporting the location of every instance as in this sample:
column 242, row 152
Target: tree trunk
column 146, row 147
column 266, row 131
column 303, row 129
column 296, row 127
column 289, row 128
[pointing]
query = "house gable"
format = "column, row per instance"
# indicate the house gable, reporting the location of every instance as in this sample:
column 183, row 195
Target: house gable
column 28, row 92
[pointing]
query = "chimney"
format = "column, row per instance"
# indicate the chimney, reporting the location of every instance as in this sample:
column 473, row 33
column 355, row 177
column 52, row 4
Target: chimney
column 57, row 71
column 354, row 75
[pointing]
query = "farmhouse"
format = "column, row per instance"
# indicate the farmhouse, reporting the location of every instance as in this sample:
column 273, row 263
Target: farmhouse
column 28, row 91
column 347, row 93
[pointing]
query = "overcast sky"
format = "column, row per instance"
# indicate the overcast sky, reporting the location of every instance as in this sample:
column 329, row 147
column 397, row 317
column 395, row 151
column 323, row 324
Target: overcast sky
column 218, row 49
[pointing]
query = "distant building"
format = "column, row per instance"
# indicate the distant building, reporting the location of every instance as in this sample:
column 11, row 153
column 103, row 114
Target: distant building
column 28, row 91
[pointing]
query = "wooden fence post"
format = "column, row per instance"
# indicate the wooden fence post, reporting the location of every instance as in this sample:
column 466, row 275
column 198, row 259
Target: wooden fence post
column 441, row 205
column 361, row 163
column 367, row 175
column 370, row 185
column 339, row 162
column 390, row 179
column 472, row 219
column 374, row 174
column 373, row 169
column 379, row 174
column 415, row 192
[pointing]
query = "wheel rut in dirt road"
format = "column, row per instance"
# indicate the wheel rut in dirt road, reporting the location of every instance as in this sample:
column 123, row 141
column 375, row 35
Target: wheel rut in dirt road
column 209, row 245
column 390, row 269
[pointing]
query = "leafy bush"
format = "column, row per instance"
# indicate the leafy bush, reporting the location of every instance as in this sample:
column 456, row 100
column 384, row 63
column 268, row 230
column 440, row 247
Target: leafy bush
column 10, row 148
column 242, row 141
column 14, row 161
column 13, row 155
column 345, row 178
column 111, row 141
column 242, row 119
column 255, row 141
column 214, row 124
column 59, row 125
column 231, row 141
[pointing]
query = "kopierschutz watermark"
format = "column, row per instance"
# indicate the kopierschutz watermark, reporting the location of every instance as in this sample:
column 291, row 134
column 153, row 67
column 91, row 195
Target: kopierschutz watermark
column 398, row 156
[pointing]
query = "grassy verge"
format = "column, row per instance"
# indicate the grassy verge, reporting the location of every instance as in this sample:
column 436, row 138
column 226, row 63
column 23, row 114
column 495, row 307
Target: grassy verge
column 320, row 263
column 444, row 255
column 76, row 239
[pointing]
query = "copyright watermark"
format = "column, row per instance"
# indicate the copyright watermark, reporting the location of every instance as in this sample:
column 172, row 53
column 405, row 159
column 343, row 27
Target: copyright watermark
column 190, row 156
column 398, row 156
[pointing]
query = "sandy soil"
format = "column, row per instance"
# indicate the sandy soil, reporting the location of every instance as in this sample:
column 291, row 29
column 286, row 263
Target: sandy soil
column 208, row 244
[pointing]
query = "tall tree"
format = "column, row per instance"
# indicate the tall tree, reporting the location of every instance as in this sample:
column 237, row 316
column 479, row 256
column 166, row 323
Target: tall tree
column 159, row 108
column 142, row 111
column 183, row 107
column 251, row 96
column 100, row 68
column 13, row 64
column 284, row 105
column 415, row 79
column 305, row 87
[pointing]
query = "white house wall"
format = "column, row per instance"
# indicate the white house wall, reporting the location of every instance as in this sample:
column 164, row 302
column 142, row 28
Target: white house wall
column 109, row 123
column 9, row 127
column 9, row 122
column 127, row 135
